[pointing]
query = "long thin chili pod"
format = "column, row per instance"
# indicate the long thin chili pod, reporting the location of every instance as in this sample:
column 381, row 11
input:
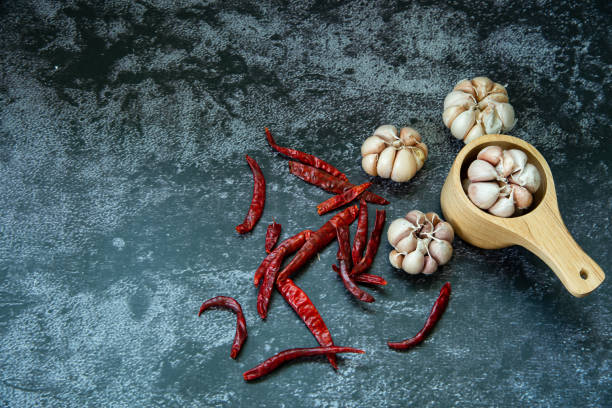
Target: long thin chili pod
column 344, row 260
column 265, row 289
column 272, row 234
column 359, row 241
column 305, row 309
column 279, row 359
column 241, row 329
column 317, row 241
column 261, row 270
column 372, row 246
column 258, row 201
column 329, row 183
column 366, row 278
column 305, row 157
column 342, row 199
column 435, row 314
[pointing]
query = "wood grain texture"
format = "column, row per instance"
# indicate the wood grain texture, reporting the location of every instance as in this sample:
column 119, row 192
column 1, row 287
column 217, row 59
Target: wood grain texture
column 541, row 230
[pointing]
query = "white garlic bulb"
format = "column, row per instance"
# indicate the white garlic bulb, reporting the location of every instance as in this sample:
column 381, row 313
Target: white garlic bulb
column 501, row 181
column 393, row 155
column 477, row 107
column 421, row 242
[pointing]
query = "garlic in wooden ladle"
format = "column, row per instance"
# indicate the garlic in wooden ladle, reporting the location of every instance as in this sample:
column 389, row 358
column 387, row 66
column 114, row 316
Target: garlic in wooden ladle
column 477, row 107
column 501, row 182
column 391, row 155
column 421, row 242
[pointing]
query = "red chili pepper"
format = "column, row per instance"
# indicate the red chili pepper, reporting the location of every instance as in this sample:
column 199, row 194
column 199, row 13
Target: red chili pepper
column 317, row 241
column 259, row 198
column 435, row 314
column 342, row 199
column 265, row 289
column 373, row 244
column 362, row 232
column 277, row 360
column 344, row 260
column 272, row 234
column 241, row 329
column 303, row 306
column 328, row 182
column 261, row 270
column 366, row 278
column 305, row 157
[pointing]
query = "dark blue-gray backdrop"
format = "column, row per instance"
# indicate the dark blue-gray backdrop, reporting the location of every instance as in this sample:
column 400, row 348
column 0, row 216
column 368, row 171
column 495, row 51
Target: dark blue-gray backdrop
column 123, row 130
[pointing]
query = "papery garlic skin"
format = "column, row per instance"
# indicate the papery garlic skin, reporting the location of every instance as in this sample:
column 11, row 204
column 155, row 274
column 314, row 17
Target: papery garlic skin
column 421, row 242
column 506, row 190
column 392, row 154
column 477, row 107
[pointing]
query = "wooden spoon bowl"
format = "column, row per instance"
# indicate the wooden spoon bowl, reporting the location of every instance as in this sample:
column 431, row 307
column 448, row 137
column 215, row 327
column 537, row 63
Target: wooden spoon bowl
column 540, row 230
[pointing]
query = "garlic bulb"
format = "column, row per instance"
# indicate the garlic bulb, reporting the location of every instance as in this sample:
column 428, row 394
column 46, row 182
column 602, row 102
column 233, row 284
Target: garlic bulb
column 477, row 107
column 501, row 181
column 421, row 242
column 394, row 155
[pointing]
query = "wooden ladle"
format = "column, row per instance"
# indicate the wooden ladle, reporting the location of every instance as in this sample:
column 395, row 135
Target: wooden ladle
column 540, row 230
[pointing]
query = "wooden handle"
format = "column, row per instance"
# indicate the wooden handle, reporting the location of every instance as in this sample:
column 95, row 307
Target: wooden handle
column 552, row 242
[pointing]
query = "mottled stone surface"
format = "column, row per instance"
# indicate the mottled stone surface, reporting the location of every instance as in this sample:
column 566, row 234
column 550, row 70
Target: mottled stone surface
column 123, row 130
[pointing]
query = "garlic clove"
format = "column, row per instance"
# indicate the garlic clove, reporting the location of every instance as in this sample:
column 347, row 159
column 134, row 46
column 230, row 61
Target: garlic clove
column 499, row 89
column 529, row 178
column 372, row 144
column 385, row 162
column 491, row 154
column 413, row 263
column 369, row 164
column 503, row 207
column 505, row 111
column 522, row 197
column 423, row 147
column 482, row 86
column 429, row 265
column 519, row 159
column 407, row 244
column 398, row 229
column 409, row 136
column 416, row 217
column 450, row 113
column 404, row 167
column 476, row 131
column 481, row 170
column 395, row 258
column 433, row 218
column 466, row 86
column 492, row 123
column 506, row 164
column 419, row 157
column 441, row 251
column 444, row 231
column 493, row 98
column 483, row 194
column 458, row 98
column 423, row 243
column 463, row 124
column 386, row 132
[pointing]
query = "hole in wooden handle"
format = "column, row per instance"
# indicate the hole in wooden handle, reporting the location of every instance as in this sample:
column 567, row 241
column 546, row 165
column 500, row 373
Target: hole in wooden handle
column 583, row 274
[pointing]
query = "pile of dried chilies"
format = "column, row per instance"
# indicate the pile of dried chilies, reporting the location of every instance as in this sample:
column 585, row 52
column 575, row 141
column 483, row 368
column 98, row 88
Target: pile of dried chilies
column 352, row 266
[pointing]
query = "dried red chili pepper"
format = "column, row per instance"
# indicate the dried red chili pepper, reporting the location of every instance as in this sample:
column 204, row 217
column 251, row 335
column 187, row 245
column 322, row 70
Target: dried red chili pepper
column 259, row 198
column 317, row 241
column 261, row 270
column 265, row 289
column 361, row 234
column 344, row 260
column 272, row 234
column 366, row 278
column 373, row 244
column 305, row 309
column 232, row 304
column 328, row 182
column 435, row 314
column 342, row 199
column 305, row 157
column 277, row 360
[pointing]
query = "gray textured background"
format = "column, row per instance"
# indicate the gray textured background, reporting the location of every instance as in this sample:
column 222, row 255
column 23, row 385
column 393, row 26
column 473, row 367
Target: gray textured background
column 123, row 129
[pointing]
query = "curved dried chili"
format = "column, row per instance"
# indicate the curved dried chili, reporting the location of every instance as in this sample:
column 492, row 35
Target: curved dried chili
column 241, row 329
column 344, row 260
column 361, row 234
column 258, row 200
column 261, row 270
column 342, row 199
column 372, row 246
column 304, row 157
column 272, row 234
column 435, row 314
column 366, row 278
column 277, row 360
